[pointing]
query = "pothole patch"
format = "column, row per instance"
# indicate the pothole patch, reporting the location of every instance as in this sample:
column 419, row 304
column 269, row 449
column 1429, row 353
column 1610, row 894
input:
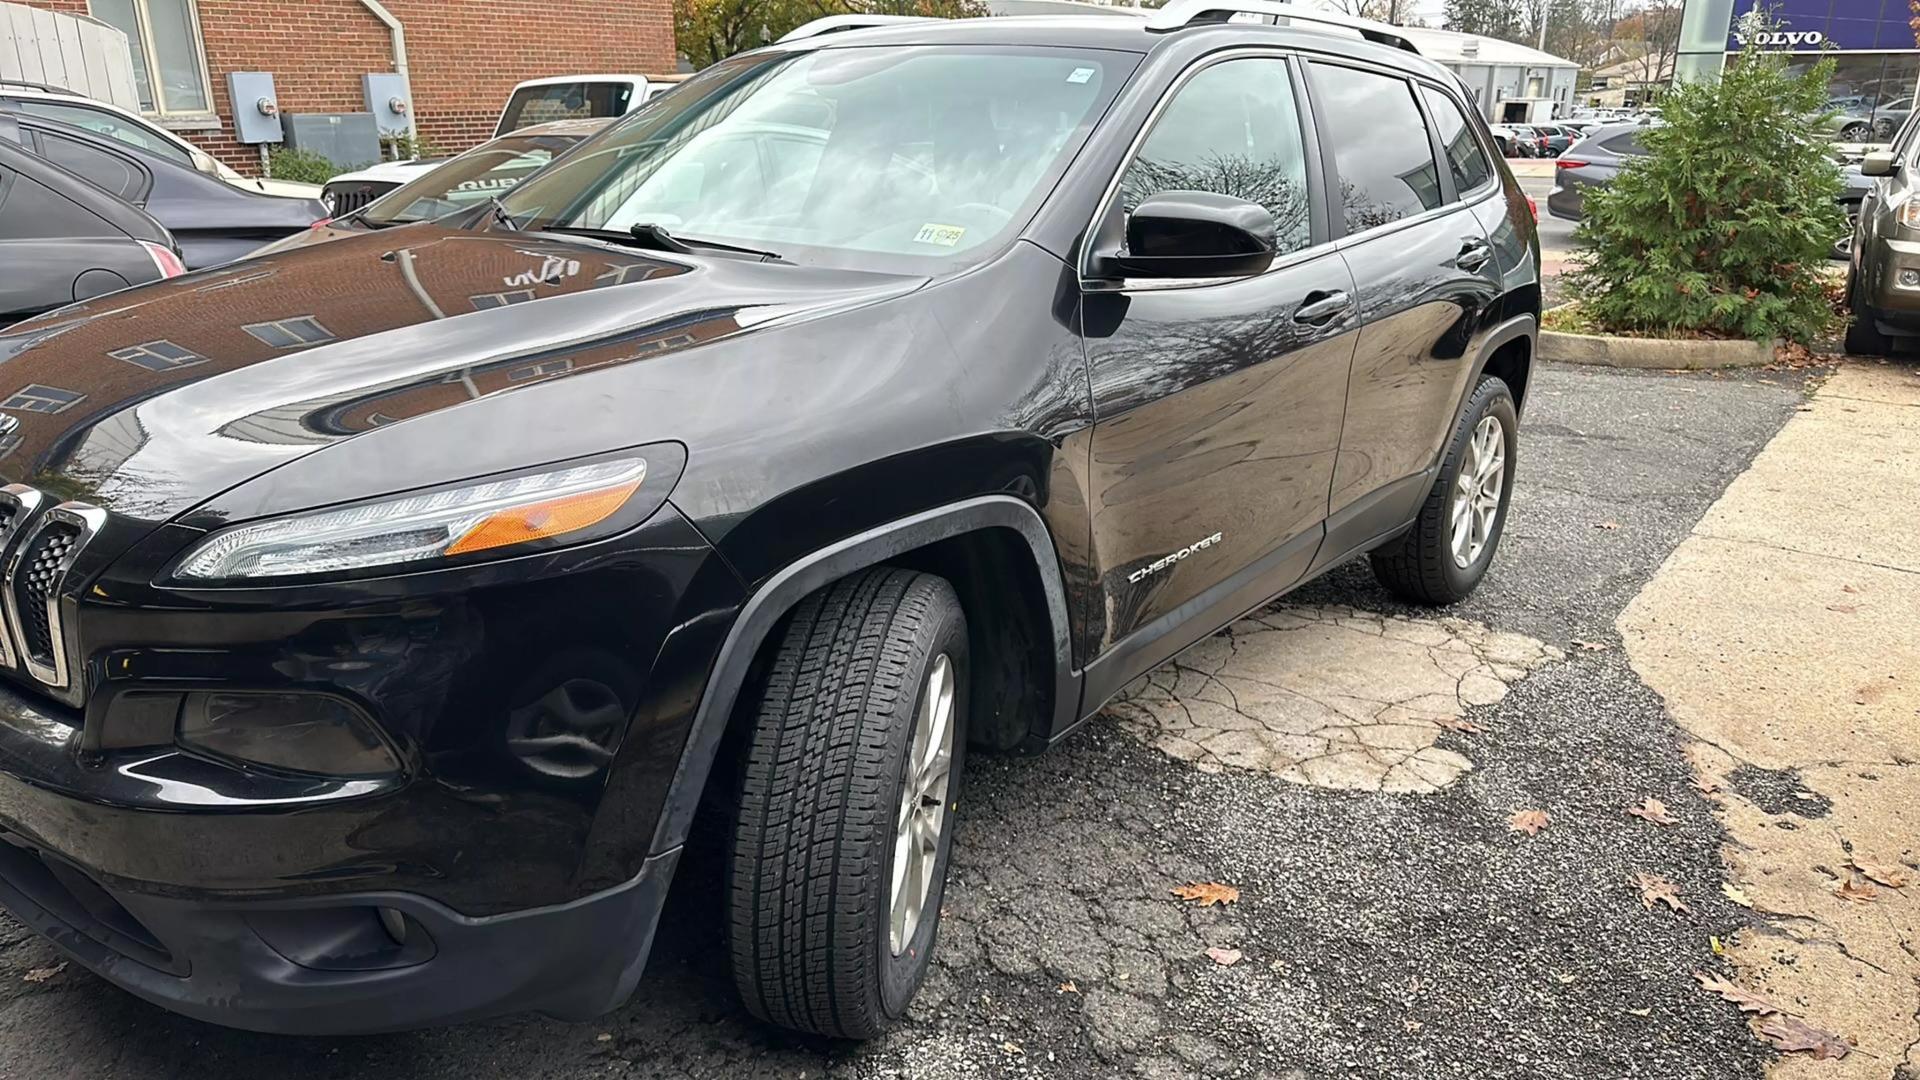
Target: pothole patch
column 1333, row 697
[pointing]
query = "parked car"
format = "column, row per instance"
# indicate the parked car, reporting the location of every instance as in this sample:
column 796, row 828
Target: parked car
column 1514, row 141
column 62, row 240
column 1595, row 160
column 1883, row 271
column 213, row 222
column 579, row 97
column 766, row 453
column 1559, row 137
column 108, row 119
column 445, row 185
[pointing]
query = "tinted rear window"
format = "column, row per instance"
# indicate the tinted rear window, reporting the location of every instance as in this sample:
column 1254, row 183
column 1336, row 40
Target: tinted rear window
column 1626, row 144
column 33, row 211
column 532, row 105
column 1464, row 156
column 1380, row 146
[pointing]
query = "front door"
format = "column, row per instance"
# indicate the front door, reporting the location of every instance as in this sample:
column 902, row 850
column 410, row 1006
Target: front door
column 1217, row 404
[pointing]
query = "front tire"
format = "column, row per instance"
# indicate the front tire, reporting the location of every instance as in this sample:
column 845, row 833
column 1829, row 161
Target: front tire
column 1443, row 557
column 844, row 826
column 1863, row 332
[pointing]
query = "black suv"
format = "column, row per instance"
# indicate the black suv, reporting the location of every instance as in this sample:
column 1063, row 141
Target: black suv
column 380, row 614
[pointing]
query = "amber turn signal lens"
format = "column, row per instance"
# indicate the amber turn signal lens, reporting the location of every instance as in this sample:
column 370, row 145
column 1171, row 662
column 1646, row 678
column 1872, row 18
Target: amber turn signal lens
column 542, row 520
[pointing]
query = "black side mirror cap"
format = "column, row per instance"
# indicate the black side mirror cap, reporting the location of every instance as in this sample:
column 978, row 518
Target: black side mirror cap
column 1192, row 234
column 1879, row 163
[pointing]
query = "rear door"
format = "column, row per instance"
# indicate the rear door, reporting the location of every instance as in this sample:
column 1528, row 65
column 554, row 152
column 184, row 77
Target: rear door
column 54, row 251
column 1421, row 261
column 1217, row 402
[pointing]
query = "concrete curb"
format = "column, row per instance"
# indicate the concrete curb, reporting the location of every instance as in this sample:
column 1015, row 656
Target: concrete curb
column 1661, row 354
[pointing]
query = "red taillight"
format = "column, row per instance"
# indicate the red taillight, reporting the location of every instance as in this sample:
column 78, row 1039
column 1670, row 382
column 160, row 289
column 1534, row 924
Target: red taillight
column 1533, row 208
column 321, row 224
column 1569, row 163
column 164, row 260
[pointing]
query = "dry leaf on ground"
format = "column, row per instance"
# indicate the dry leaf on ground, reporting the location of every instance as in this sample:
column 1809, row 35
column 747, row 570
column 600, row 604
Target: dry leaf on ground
column 1736, row 894
column 1013, row 1049
column 1590, row 646
column 1208, row 893
column 1892, row 875
column 1225, row 957
column 1705, row 786
column 1748, row 1001
column 1068, row 987
column 1655, row 889
column 1607, row 526
column 40, row 975
column 1792, row 1033
column 1528, row 821
column 1458, row 723
column 1857, row 891
column 1653, row 810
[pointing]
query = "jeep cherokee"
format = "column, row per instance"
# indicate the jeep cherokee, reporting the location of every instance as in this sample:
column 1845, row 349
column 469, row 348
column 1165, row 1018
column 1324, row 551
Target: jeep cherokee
column 379, row 614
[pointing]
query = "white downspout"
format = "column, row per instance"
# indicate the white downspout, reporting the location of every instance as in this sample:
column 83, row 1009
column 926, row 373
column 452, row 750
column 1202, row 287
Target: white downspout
column 399, row 33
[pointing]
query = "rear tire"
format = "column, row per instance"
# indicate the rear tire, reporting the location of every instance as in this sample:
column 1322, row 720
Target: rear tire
column 835, row 763
column 1863, row 333
column 1427, row 565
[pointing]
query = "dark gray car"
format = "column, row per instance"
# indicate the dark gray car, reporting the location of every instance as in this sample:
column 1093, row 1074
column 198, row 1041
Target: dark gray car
column 1595, row 160
column 213, row 221
column 64, row 240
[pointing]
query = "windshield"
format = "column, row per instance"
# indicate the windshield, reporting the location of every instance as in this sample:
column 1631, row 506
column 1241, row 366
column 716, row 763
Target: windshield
column 532, row 105
column 883, row 157
column 489, row 169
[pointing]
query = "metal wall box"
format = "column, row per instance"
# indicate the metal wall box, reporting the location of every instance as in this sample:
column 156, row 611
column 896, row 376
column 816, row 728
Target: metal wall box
column 390, row 100
column 349, row 140
column 256, row 109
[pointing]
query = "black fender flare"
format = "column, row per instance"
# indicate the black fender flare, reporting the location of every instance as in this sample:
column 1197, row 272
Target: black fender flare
column 1507, row 332
column 763, row 610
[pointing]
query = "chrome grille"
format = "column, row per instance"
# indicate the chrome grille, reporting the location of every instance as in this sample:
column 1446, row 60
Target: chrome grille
column 40, row 551
column 42, row 564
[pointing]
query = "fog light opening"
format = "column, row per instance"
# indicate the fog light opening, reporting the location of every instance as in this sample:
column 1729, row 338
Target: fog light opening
column 1910, row 278
column 394, row 923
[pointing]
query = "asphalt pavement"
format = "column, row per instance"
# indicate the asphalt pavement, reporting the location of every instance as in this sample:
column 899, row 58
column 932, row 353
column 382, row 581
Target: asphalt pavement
column 1380, row 932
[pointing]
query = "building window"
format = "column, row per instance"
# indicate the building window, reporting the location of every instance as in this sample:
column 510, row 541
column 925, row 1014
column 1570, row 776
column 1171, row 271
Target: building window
column 544, row 369
column 488, row 301
column 291, row 333
column 42, row 399
column 169, row 69
column 158, row 356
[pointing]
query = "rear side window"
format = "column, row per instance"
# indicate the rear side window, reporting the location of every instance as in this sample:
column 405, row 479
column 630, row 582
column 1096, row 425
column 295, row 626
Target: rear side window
column 1465, row 159
column 108, row 172
column 532, row 105
column 1380, row 146
column 33, row 211
column 1233, row 129
column 112, row 126
column 1626, row 144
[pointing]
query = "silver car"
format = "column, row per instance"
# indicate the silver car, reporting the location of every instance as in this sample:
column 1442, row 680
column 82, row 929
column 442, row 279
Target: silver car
column 1883, row 274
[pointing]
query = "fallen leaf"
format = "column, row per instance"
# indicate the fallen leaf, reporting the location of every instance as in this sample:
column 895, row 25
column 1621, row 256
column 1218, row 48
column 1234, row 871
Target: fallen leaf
column 1068, row 987
column 1208, row 893
column 1736, row 894
column 1791, row 1033
column 1590, row 646
column 1225, row 957
column 1528, row 821
column 1013, row 1048
column 1655, row 889
column 1857, row 891
column 1458, row 723
column 1892, row 875
column 1652, row 809
column 1564, row 978
column 1705, row 786
column 1747, row 1000
column 1714, row 943
column 40, row 975
column 1641, row 1012
column 1607, row 526
column 1411, row 1025
column 1848, row 589
column 605, row 1036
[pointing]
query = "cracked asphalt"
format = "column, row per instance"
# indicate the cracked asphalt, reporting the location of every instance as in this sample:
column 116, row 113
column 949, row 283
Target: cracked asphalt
column 1384, row 930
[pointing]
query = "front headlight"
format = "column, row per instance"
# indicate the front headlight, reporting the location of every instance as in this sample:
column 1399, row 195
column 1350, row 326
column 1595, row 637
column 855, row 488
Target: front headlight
column 1910, row 214
column 485, row 516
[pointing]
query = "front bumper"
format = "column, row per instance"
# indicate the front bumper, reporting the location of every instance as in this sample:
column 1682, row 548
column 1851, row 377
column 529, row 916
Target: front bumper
column 1897, row 305
column 74, row 827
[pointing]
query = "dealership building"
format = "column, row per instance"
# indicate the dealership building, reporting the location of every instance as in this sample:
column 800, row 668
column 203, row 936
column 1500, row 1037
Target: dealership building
column 1871, row 41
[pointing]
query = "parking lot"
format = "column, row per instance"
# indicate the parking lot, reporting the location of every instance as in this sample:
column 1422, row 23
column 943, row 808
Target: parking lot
column 1390, row 921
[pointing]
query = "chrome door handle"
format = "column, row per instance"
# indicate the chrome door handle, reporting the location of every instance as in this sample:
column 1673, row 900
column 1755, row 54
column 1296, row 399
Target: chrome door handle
column 1473, row 255
column 1322, row 311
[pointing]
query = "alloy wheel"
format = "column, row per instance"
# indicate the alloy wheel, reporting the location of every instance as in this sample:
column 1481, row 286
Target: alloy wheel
column 922, row 814
column 1476, row 493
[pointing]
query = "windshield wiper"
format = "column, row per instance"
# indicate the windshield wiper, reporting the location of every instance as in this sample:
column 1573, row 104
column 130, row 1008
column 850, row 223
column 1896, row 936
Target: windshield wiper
column 500, row 213
column 658, row 238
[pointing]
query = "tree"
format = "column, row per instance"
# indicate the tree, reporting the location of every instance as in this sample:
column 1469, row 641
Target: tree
column 1377, row 10
column 710, row 30
column 1724, row 226
column 1655, row 28
column 1491, row 18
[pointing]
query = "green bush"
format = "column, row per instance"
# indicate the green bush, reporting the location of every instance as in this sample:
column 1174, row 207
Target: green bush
column 303, row 166
column 1724, row 226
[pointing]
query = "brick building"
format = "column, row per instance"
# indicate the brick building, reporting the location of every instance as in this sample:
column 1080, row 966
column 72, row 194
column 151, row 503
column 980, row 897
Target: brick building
column 463, row 56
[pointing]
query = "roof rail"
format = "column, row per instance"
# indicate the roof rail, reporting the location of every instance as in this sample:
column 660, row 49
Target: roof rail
column 1180, row 14
column 833, row 24
column 4, row 81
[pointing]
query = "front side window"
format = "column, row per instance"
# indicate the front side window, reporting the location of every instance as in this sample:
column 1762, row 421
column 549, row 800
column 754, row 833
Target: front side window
column 1380, row 146
column 169, row 69
column 1465, row 159
column 473, row 177
column 1231, row 130
column 855, row 157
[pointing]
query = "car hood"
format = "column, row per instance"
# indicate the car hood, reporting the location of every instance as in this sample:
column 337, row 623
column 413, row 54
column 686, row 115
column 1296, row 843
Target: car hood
column 397, row 172
column 152, row 400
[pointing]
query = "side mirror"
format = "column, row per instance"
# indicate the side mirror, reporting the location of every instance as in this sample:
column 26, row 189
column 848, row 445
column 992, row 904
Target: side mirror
column 1193, row 234
column 1879, row 163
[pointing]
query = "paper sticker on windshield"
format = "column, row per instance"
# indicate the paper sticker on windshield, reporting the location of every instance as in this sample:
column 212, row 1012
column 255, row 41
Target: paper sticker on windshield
column 1080, row 75
column 944, row 235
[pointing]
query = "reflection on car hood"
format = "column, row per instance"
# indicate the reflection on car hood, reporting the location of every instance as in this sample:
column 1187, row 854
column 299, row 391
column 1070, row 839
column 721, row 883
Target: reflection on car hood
column 152, row 400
